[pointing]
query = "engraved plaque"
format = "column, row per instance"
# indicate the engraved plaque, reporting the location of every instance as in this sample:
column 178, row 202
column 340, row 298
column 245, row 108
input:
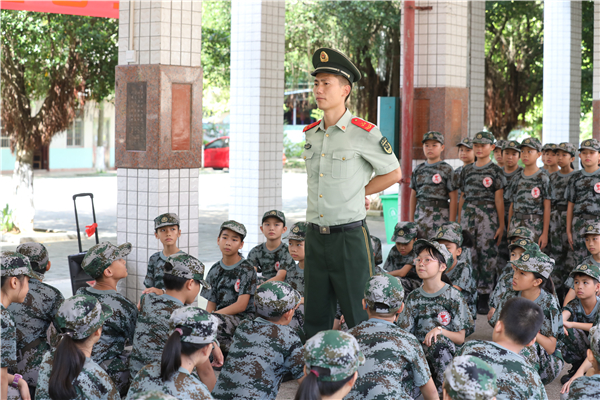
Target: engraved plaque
column 135, row 139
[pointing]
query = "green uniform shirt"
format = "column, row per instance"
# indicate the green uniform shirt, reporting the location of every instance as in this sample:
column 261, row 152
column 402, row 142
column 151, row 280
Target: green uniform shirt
column 434, row 181
column 527, row 193
column 481, row 183
column 585, row 388
column 182, row 384
column 339, row 163
column 559, row 183
column 8, row 356
column 578, row 313
column 581, row 191
column 269, row 262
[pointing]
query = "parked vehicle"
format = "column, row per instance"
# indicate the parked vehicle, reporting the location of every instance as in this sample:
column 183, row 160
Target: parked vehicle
column 216, row 154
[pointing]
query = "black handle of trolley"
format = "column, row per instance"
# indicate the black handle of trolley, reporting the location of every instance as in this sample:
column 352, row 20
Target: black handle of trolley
column 75, row 196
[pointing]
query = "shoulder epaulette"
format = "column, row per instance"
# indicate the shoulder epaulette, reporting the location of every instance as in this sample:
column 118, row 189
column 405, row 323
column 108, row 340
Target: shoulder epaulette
column 361, row 123
column 307, row 127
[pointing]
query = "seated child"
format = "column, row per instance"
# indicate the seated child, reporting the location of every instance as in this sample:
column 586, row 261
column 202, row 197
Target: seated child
column 519, row 323
column 104, row 262
column 468, row 378
column 34, row 315
column 588, row 387
column 295, row 275
column 591, row 233
column 193, row 332
column 331, row 361
column 267, row 344
column 395, row 365
column 70, row 372
column 436, row 313
column 271, row 258
column 399, row 262
column 166, row 229
column 231, row 284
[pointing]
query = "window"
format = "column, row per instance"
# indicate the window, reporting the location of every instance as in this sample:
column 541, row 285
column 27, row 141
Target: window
column 218, row 144
column 4, row 140
column 75, row 134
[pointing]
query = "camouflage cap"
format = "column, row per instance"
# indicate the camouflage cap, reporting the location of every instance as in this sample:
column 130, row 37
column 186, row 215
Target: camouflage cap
column 274, row 214
column 500, row 143
column 594, row 337
column 591, row 228
column 470, row 378
column 273, row 299
column 450, row 231
column 101, row 256
column 168, row 219
column 187, row 267
column 298, row 232
column 590, row 144
column 467, row 142
column 525, row 244
column 484, row 137
column 590, row 270
column 37, row 254
column 433, row 135
column 384, row 289
column 153, row 395
column 336, row 350
column 568, row 147
column 404, row 232
column 532, row 142
column 423, row 244
column 521, row 232
column 534, row 261
column 550, row 146
column 512, row 145
column 234, row 226
column 202, row 324
column 80, row 316
column 15, row 264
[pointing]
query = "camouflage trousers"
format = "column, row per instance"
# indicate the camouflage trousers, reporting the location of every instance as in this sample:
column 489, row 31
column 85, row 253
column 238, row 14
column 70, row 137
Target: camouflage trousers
column 503, row 252
column 535, row 223
column 559, row 249
column 227, row 326
column 29, row 359
column 439, row 355
column 503, row 285
column 579, row 250
column 482, row 222
column 297, row 322
column 574, row 346
column 548, row 366
column 118, row 370
column 430, row 219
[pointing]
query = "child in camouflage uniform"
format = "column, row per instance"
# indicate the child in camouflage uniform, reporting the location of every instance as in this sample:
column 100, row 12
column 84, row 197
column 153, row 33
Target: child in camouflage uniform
column 16, row 273
column 531, row 280
column 399, row 262
column 433, row 198
column 231, row 284
column 395, row 365
column 295, row 275
column 105, row 263
column 498, row 152
column 549, row 158
column 469, row 378
column 482, row 210
column 271, row 258
column 583, row 196
column 166, row 229
column 34, row 315
column 265, row 349
column 591, row 234
column 76, row 375
column 436, row 313
column 467, row 156
column 517, row 327
column 190, row 343
column 588, row 387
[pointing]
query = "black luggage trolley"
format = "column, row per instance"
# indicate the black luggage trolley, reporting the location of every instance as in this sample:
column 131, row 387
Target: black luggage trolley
column 79, row 277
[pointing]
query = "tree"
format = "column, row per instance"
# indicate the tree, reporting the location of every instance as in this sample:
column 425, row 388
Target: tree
column 51, row 65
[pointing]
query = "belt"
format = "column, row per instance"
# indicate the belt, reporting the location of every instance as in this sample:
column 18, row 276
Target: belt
column 560, row 208
column 588, row 216
column 326, row 230
column 481, row 202
column 434, row 203
column 527, row 216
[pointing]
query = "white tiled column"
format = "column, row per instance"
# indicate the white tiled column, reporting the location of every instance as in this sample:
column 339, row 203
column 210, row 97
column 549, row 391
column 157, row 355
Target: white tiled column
column 596, row 84
column 476, row 72
column 562, row 71
column 256, row 146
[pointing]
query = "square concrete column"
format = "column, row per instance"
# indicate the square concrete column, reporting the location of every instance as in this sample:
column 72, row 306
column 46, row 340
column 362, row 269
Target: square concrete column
column 476, row 71
column 256, row 130
column 596, row 84
column 562, row 71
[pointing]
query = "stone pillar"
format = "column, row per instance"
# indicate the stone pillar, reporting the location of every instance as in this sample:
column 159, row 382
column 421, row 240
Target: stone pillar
column 596, row 84
column 562, row 71
column 256, row 145
column 158, row 134
column 476, row 71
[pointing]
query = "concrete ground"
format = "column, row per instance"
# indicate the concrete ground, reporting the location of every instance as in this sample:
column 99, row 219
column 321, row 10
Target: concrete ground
column 54, row 210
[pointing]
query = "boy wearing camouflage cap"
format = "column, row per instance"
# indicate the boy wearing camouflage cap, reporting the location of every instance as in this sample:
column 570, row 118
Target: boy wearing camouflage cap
column 105, row 263
column 231, row 284
column 265, row 349
column 271, row 258
column 481, row 212
column 166, row 229
column 395, row 365
column 295, row 275
column 34, row 315
column 588, row 387
column 549, row 158
column 498, row 152
column 433, row 184
column 591, row 235
column 469, row 378
column 399, row 262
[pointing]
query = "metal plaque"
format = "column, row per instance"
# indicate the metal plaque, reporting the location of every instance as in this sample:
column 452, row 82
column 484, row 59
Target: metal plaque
column 136, row 116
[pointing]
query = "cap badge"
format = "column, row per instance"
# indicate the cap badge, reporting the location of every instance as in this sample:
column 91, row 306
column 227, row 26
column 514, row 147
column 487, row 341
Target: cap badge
column 590, row 228
column 583, row 267
column 164, row 219
column 512, row 144
column 324, row 57
column 525, row 257
column 527, row 141
column 400, row 232
column 562, row 145
column 273, row 213
column 587, row 143
column 553, row 146
column 479, row 136
column 522, row 242
column 295, row 230
column 441, row 234
column 518, row 231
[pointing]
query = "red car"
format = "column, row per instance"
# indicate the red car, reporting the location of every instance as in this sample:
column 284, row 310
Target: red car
column 216, row 153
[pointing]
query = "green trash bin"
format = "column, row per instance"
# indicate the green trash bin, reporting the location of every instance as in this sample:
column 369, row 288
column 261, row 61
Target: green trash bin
column 389, row 203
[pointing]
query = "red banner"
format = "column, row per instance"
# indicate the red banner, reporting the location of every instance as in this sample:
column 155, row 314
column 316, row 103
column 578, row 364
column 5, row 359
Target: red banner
column 106, row 9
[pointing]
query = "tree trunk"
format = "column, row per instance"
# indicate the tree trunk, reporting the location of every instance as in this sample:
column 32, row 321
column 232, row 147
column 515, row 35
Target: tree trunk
column 100, row 166
column 23, row 207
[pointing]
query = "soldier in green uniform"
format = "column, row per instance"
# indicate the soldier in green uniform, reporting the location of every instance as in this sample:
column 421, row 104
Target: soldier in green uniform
column 341, row 153
column 470, row 378
column 588, row 387
column 511, row 153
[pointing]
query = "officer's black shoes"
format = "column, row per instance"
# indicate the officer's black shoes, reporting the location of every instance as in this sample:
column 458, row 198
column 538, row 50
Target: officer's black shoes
column 482, row 304
column 569, row 375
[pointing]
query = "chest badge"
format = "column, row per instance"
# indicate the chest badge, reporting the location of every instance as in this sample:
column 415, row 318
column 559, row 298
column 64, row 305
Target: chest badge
column 307, row 146
column 237, row 286
column 277, row 266
column 487, row 181
column 444, row 318
column 597, row 187
column 436, row 178
column 535, row 192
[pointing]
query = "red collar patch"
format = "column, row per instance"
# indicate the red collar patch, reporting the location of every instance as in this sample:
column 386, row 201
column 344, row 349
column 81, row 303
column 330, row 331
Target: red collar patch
column 367, row 126
column 307, row 127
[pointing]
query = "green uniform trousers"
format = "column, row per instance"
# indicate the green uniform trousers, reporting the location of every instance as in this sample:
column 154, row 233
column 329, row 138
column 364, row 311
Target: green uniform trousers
column 338, row 266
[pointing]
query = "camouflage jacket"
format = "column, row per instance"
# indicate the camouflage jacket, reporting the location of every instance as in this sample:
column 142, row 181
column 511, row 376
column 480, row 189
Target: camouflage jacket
column 118, row 330
column 152, row 329
column 229, row 282
column 516, row 378
column 182, row 384
column 92, row 383
column 396, row 261
column 377, row 252
column 8, row 357
column 270, row 262
column 156, row 270
column 509, row 178
column 580, row 191
column 392, row 357
column 462, row 276
column 578, row 313
column 433, row 181
column 559, row 183
column 585, row 388
column 261, row 354
column 446, row 308
column 295, row 278
column 481, row 183
column 457, row 173
column 527, row 193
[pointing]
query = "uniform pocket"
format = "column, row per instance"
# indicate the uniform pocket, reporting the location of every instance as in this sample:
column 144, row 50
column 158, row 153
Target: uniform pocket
column 343, row 164
column 308, row 159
